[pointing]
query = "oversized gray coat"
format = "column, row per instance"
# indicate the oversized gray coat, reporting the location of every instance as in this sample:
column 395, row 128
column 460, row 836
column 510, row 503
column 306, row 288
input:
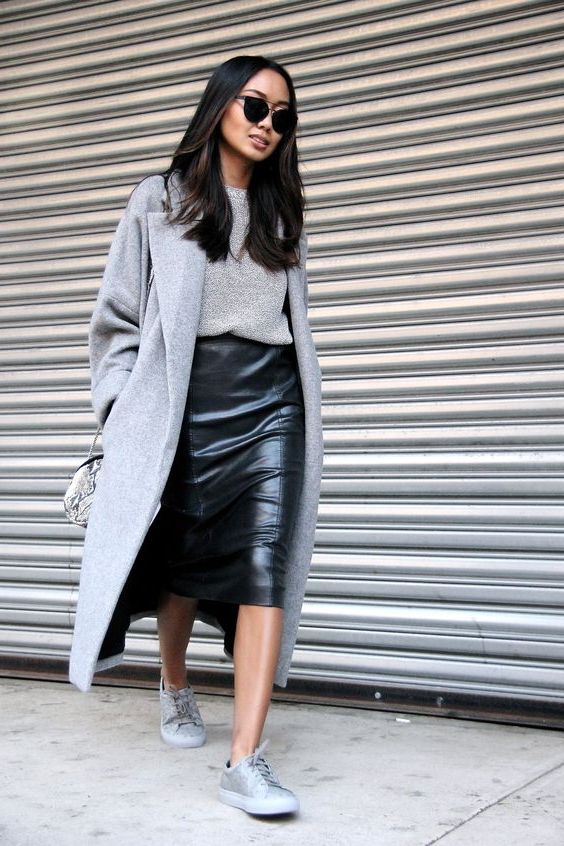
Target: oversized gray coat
column 141, row 350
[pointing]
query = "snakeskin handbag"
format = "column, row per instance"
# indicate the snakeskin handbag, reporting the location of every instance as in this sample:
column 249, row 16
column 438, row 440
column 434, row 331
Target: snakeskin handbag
column 77, row 500
column 78, row 497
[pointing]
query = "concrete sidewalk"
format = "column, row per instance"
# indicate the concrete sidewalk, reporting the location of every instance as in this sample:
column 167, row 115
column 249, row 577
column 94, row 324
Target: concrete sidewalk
column 91, row 768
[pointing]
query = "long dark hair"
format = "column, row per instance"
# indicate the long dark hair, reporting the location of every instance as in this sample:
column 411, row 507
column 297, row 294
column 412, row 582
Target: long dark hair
column 275, row 190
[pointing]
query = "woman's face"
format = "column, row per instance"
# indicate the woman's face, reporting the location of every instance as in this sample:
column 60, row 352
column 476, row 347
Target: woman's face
column 241, row 139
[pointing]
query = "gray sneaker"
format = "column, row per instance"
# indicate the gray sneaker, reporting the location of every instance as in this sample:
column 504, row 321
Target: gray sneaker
column 252, row 786
column 181, row 721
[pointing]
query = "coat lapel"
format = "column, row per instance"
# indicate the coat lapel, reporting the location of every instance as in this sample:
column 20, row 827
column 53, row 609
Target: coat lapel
column 179, row 270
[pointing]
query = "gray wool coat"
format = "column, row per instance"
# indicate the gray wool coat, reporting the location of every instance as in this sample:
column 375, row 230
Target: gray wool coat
column 141, row 349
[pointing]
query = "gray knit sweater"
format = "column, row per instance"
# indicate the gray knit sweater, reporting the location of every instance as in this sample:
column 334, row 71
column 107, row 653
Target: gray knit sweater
column 240, row 296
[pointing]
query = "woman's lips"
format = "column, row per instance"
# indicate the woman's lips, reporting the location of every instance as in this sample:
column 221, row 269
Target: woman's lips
column 258, row 143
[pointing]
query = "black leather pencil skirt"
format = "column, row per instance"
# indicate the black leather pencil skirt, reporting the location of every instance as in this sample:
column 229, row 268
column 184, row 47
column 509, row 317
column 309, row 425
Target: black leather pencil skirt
column 231, row 497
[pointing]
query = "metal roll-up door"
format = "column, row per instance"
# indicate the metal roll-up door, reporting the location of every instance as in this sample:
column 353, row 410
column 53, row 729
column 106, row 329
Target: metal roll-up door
column 432, row 153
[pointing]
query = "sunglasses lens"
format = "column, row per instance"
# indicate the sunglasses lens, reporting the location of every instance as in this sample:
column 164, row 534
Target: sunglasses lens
column 282, row 121
column 255, row 109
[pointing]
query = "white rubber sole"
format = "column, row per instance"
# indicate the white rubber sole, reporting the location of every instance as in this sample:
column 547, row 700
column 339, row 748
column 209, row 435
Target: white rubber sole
column 261, row 807
column 183, row 742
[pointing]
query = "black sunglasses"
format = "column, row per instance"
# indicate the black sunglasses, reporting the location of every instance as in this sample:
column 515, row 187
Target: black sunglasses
column 256, row 109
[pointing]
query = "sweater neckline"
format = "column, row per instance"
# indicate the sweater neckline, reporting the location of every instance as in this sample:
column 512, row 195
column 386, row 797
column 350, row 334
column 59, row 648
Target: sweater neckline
column 238, row 192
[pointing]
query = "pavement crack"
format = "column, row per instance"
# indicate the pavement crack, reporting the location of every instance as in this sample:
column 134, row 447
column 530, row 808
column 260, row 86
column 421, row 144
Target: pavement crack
column 494, row 803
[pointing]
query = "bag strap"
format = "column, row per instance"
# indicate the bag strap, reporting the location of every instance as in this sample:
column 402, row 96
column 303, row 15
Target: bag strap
column 98, row 431
column 145, row 300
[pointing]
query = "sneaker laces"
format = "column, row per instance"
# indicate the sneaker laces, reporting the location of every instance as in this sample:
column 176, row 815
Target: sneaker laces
column 262, row 765
column 186, row 706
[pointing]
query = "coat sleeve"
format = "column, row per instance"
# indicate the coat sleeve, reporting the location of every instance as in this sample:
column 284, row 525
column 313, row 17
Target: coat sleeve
column 114, row 326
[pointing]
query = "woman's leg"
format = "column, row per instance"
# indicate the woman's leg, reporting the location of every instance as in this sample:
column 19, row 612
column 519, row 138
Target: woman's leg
column 175, row 619
column 255, row 656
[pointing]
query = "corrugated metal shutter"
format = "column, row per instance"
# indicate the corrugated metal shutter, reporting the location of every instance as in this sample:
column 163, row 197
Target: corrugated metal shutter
column 432, row 150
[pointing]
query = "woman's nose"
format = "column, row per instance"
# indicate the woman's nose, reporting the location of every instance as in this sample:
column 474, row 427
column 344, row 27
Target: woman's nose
column 266, row 122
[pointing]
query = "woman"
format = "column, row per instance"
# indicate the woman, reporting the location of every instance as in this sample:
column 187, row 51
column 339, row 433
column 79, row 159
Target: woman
column 208, row 387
